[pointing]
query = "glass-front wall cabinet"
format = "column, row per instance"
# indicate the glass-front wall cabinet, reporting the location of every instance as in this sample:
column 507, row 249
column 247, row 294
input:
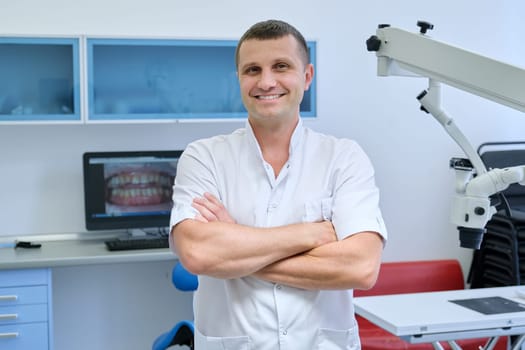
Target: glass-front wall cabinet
column 39, row 79
column 131, row 79
column 125, row 80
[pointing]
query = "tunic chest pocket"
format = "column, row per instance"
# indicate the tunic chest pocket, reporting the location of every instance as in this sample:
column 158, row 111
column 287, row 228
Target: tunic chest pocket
column 318, row 210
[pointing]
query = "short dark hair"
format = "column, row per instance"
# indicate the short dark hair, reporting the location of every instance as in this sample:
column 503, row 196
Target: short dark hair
column 273, row 29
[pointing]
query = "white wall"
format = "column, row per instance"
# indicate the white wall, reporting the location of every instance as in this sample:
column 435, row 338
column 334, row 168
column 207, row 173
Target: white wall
column 40, row 176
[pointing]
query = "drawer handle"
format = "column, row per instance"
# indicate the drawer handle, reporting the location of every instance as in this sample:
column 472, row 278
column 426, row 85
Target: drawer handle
column 8, row 317
column 8, row 297
column 8, row 335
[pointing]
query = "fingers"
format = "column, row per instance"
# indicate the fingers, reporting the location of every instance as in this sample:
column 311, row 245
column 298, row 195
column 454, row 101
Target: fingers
column 325, row 232
column 204, row 209
column 211, row 208
column 201, row 218
column 212, row 199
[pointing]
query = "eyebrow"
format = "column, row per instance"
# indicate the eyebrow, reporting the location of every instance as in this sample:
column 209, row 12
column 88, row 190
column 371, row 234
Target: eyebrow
column 277, row 60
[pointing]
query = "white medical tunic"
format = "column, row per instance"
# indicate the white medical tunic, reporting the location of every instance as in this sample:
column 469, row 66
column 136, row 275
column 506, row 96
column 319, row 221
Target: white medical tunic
column 325, row 178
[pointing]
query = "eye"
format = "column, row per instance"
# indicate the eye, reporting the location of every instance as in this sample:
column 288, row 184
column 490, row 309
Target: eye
column 281, row 66
column 251, row 70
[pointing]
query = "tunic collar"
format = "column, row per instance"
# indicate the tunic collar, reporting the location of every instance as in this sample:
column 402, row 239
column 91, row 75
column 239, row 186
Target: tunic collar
column 295, row 141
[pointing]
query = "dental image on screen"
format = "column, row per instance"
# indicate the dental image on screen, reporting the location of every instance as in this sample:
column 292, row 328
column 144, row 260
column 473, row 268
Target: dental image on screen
column 138, row 187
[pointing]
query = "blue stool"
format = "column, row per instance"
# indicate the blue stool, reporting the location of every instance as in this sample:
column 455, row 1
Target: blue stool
column 183, row 332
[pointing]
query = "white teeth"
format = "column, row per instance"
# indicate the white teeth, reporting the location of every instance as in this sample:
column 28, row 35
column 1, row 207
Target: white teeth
column 270, row 97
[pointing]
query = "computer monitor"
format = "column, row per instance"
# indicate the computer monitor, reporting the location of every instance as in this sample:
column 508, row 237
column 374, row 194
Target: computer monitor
column 128, row 189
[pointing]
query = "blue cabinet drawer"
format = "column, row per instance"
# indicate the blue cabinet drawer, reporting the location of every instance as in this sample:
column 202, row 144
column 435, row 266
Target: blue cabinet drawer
column 23, row 295
column 23, row 313
column 32, row 336
column 25, row 304
column 29, row 277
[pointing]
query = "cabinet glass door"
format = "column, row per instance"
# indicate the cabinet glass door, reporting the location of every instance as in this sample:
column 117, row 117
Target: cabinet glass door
column 133, row 79
column 39, row 79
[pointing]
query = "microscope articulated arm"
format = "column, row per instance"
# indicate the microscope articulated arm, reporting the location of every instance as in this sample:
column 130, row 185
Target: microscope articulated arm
column 495, row 180
column 414, row 54
column 403, row 53
column 430, row 101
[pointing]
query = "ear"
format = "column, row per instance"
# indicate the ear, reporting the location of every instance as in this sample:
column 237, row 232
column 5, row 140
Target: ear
column 308, row 75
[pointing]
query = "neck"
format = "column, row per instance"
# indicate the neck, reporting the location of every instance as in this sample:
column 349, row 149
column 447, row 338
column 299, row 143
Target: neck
column 274, row 143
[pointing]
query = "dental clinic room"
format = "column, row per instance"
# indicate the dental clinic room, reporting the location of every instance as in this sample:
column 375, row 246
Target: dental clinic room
column 433, row 93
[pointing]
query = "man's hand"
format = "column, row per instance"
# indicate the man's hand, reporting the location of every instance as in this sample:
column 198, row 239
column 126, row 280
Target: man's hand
column 326, row 230
column 211, row 209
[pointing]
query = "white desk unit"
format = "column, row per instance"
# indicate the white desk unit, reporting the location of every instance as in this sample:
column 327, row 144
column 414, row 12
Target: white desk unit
column 431, row 317
column 26, row 288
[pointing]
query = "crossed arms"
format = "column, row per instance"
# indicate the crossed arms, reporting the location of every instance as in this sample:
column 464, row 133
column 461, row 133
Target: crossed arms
column 303, row 255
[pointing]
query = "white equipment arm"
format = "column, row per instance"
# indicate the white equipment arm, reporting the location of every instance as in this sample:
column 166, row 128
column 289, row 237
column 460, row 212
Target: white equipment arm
column 415, row 54
column 402, row 53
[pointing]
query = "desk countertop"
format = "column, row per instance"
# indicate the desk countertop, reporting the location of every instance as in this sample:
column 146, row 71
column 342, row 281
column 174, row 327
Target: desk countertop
column 70, row 252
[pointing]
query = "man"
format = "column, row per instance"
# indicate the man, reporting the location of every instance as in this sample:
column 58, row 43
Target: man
column 279, row 222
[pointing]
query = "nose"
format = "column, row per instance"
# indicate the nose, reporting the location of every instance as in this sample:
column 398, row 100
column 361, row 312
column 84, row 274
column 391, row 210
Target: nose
column 266, row 80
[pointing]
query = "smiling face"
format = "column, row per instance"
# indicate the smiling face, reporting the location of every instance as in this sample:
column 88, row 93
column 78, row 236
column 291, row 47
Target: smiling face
column 273, row 77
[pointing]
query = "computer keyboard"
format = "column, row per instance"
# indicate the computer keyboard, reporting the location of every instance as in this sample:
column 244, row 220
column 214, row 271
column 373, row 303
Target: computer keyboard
column 137, row 243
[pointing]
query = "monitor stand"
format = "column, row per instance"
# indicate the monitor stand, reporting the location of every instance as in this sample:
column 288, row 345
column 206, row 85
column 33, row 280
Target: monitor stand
column 137, row 233
column 140, row 233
